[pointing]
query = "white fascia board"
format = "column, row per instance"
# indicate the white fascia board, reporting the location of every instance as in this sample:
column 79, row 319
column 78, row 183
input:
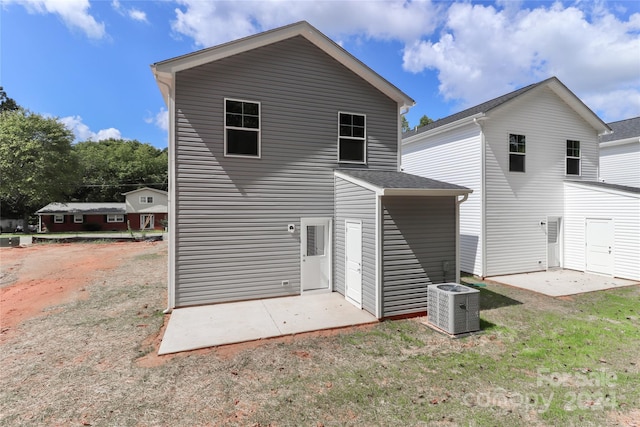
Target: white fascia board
column 165, row 70
column 423, row 192
column 603, row 189
column 444, row 128
column 614, row 143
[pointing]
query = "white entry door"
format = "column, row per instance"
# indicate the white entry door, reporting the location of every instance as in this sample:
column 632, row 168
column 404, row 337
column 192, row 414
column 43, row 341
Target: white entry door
column 315, row 250
column 554, row 224
column 353, row 262
column 599, row 246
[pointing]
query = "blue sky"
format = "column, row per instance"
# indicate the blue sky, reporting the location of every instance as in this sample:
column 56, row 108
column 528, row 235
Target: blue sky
column 87, row 62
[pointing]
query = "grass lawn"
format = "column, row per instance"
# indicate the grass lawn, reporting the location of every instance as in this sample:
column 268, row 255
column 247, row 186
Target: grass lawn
column 540, row 361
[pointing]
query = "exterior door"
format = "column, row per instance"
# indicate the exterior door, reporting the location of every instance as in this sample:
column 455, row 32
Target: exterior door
column 599, row 246
column 353, row 262
column 315, row 250
column 553, row 241
column 146, row 222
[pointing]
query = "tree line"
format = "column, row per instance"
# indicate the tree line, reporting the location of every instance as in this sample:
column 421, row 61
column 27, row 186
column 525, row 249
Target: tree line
column 40, row 164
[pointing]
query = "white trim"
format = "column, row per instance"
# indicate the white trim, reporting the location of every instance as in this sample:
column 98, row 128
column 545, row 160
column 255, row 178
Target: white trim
column 363, row 139
column 329, row 244
column 144, row 189
column 165, row 70
column 567, row 157
column 509, row 153
column 603, row 189
column 417, row 192
column 357, row 181
column 379, row 254
column 55, row 218
column 632, row 140
column 444, row 128
column 75, row 218
column 114, row 218
column 171, row 203
column 258, row 130
column 353, row 221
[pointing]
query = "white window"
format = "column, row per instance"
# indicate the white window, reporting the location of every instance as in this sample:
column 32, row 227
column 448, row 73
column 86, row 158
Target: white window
column 352, row 138
column 516, row 152
column 146, row 200
column 241, row 128
column 78, row 218
column 58, row 219
column 573, row 157
column 115, row 218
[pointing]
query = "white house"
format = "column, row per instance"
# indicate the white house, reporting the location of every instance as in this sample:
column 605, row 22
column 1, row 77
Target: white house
column 620, row 153
column 516, row 152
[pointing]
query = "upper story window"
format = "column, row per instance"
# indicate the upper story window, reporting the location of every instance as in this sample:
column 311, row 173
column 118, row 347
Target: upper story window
column 241, row 128
column 146, row 200
column 352, row 139
column 516, row 152
column 573, row 157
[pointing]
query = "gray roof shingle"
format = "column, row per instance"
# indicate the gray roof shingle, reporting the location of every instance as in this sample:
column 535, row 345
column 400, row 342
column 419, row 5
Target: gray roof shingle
column 84, row 208
column 623, row 129
column 399, row 180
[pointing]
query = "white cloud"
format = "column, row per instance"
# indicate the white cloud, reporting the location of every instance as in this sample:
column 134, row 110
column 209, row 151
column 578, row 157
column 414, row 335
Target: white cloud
column 210, row 23
column 485, row 52
column 161, row 119
column 133, row 13
column 83, row 133
column 74, row 13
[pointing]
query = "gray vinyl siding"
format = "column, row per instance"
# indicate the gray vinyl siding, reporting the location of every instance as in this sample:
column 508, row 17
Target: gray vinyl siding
column 232, row 213
column 356, row 203
column 418, row 236
column 517, row 203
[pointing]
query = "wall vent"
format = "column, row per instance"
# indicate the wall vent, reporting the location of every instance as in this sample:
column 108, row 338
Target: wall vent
column 453, row 308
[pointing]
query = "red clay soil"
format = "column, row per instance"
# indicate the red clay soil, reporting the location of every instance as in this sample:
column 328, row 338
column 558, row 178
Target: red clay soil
column 37, row 277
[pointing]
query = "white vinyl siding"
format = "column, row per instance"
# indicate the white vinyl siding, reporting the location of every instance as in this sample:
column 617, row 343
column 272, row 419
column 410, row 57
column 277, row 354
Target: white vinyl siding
column 582, row 202
column 356, row 203
column 455, row 157
column 517, row 204
column 232, row 213
column 620, row 164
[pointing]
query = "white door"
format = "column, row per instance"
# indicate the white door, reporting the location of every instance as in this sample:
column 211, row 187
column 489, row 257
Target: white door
column 599, row 246
column 315, row 250
column 353, row 262
column 146, row 221
column 553, row 241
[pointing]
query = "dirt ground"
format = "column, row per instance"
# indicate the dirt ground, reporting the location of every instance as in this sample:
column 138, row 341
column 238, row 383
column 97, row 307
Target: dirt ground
column 81, row 324
column 36, row 277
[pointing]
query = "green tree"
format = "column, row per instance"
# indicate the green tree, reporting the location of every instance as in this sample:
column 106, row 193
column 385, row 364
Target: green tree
column 6, row 103
column 37, row 164
column 405, row 124
column 111, row 167
column 424, row 120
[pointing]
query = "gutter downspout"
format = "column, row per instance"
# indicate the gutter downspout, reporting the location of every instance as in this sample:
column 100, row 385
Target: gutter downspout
column 458, row 203
column 483, row 195
column 170, row 205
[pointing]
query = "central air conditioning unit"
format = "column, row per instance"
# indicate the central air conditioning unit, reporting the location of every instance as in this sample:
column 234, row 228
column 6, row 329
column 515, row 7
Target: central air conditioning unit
column 453, row 308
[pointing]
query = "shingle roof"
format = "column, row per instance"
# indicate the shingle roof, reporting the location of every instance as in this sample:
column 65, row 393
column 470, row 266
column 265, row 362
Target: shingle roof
column 399, row 180
column 84, row 208
column 623, row 129
column 625, row 188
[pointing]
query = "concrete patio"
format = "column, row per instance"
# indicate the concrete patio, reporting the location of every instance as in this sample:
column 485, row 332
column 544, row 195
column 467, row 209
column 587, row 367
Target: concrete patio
column 219, row 324
column 560, row 282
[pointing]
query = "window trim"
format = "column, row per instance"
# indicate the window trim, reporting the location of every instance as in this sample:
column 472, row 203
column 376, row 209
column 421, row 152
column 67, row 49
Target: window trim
column 112, row 218
column 75, row 218
column 363, row 139
column 258, row 129
column 524, row 155
column 568, row 157
column 58, row 219
column 146, row 200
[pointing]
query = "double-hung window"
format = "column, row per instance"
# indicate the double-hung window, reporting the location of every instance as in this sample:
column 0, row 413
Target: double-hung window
column 115, row 218
column 573, row 157
column 516, row 152
column 78, row 218
column 146, row 200
column 241, row 128
column 352, row 138
column 58, row 219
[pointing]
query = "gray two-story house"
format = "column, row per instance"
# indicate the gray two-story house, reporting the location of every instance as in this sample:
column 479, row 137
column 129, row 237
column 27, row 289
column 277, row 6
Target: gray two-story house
column 284, row 179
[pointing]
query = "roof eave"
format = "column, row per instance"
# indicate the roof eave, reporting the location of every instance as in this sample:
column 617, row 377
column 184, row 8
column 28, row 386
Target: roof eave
column 418, row 192
column 444, row 128
column 617, row 142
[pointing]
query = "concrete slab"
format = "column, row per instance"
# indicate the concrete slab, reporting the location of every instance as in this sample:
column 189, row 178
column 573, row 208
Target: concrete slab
column 558, row 283
column 192, row 328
